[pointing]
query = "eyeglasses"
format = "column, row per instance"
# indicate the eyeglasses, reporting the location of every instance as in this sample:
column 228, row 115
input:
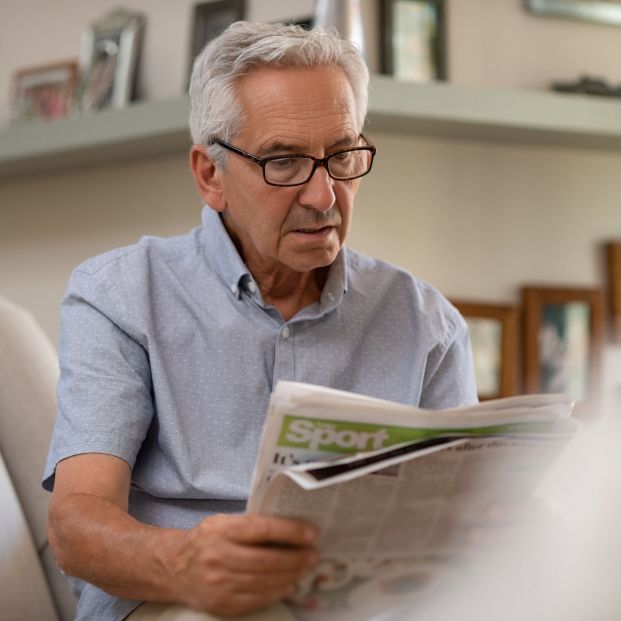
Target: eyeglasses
column 288, row 170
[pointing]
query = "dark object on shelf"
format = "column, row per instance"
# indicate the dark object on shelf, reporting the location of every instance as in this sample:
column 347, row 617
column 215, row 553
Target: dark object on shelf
column 588, row 85
column 212, row 19
column 307, row 22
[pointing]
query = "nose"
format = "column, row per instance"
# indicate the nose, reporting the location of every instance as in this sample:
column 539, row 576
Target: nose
column 318, row 191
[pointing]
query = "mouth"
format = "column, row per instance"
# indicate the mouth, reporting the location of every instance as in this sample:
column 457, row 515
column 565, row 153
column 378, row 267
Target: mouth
column 314, row 232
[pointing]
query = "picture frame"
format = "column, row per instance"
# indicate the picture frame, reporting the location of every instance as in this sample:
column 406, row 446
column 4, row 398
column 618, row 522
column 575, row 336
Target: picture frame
column 563, row 339
column 596, row 11
column 494, row 334
column 413, row 39
column 44, row 92
column 109, row 58
column 613, row 278
column 611, row 382
column 211, row 19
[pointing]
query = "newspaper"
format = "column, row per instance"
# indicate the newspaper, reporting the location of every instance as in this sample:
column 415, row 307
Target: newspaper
column 397, row 492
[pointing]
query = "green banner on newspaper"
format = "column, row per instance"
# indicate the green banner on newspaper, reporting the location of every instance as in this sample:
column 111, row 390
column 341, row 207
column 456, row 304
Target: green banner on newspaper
column 339, row 436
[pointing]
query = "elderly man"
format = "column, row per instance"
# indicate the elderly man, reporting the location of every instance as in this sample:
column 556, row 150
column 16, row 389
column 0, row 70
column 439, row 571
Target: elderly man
column 170, row 348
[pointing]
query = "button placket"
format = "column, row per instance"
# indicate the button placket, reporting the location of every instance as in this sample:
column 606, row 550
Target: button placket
column 284, row 367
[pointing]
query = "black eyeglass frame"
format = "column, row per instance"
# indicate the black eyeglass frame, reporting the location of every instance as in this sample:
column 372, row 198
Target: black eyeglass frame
column 317, row 162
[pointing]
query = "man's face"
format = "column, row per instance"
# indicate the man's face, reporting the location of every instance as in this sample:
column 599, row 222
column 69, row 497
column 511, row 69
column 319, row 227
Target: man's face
column 286, row 111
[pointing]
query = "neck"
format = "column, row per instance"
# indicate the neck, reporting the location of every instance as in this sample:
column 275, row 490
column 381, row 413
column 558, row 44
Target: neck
column 292, row 291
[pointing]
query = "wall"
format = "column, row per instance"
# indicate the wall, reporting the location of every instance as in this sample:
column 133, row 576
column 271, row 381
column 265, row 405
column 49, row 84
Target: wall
column 477, row 220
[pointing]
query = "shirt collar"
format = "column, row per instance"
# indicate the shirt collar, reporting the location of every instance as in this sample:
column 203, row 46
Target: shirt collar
column 234, row 272
column 222, row 251
column 336, row 283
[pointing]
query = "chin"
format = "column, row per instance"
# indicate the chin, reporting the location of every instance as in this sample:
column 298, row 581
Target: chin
column 321, row 260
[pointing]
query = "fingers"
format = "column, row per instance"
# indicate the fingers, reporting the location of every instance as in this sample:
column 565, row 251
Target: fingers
column 230, row 564
column 255, row 529
column 268, row 559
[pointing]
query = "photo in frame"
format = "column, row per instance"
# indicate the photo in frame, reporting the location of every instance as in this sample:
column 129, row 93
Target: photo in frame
column 494, row 334
column 109, row 58
column 45, row 92
column 414, row 39
column 613, row 277
column 210, row 20
column 563, row 339
column 597, row 11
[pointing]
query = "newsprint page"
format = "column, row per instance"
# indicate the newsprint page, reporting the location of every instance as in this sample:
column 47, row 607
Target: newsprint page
column 396, row 491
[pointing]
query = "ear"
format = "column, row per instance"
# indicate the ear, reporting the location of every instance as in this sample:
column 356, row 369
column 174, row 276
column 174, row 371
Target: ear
column 207, row 177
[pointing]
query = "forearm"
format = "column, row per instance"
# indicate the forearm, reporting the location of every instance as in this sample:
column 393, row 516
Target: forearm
column 226, row 564
column 96, row 540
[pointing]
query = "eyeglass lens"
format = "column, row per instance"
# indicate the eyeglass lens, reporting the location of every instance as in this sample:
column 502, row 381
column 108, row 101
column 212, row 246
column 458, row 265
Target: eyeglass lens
column 291, row 170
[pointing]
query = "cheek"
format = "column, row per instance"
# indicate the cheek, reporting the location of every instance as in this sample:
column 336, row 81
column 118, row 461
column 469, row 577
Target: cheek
column 345, row 196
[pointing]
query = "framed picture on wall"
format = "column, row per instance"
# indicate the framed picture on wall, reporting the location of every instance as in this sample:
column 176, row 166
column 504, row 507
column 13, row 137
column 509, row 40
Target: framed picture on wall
column 494, row 335
column 414, row 39
column 44, row 92
column 613, row 269
column 598, row 11
column 563, row 338
column 210, row 20
column 110, row 55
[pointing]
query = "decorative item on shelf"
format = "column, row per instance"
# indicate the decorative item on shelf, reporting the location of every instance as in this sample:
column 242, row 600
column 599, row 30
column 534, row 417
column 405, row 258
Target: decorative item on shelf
column 44, row 92
column 598, row 11
column 613, row 269
column 110, row 56
column 307, row 22
column 494, row 334
column 355, row 20
column 563, row 338
column 414, row 39
column 210, row 20
column 588, row 85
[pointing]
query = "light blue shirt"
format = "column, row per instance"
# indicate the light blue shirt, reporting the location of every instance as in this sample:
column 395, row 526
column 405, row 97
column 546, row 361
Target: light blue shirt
column 169, row 354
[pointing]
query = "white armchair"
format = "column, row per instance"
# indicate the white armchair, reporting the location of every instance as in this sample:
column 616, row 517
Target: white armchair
column 31, row 586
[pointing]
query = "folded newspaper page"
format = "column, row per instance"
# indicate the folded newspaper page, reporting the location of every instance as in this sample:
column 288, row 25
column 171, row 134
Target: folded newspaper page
column 396, row 491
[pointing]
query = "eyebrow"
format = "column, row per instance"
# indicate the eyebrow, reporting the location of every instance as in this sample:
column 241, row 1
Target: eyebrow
column 278, row 147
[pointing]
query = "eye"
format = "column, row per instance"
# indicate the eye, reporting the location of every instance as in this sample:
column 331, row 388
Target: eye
column 283, row 163
column 342, row 157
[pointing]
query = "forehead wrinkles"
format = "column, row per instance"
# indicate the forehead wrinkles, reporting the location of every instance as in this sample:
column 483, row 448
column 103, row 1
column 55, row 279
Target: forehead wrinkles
column 304, row 105
column 325, row 129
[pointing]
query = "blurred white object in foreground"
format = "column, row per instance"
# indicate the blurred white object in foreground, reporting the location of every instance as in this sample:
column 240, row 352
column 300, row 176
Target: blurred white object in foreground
column 563, row 568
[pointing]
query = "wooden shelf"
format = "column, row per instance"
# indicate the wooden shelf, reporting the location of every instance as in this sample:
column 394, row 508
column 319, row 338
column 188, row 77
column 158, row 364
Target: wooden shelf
column 446, row 110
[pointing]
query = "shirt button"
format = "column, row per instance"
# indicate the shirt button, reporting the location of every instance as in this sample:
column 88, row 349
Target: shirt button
column 285, row 332
column 252, row 287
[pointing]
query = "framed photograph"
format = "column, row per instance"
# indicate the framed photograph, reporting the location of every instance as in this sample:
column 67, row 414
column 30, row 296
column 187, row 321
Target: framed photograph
column 414, row 39
column 210, row 20
column 109, row 59
column 613, row 269
column 494, row 335
column 598, row 11
column 563, row 338
column 45, row 92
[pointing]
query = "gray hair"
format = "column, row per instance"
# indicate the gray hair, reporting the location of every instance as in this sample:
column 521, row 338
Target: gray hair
column 243, row 46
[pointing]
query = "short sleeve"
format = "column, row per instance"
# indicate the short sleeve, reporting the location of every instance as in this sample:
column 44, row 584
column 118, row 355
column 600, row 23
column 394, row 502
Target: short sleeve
column 449, row 375
column 105, row 400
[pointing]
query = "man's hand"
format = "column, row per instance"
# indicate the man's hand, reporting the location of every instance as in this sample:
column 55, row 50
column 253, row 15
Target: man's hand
column 232, row 564
column 227, row 564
